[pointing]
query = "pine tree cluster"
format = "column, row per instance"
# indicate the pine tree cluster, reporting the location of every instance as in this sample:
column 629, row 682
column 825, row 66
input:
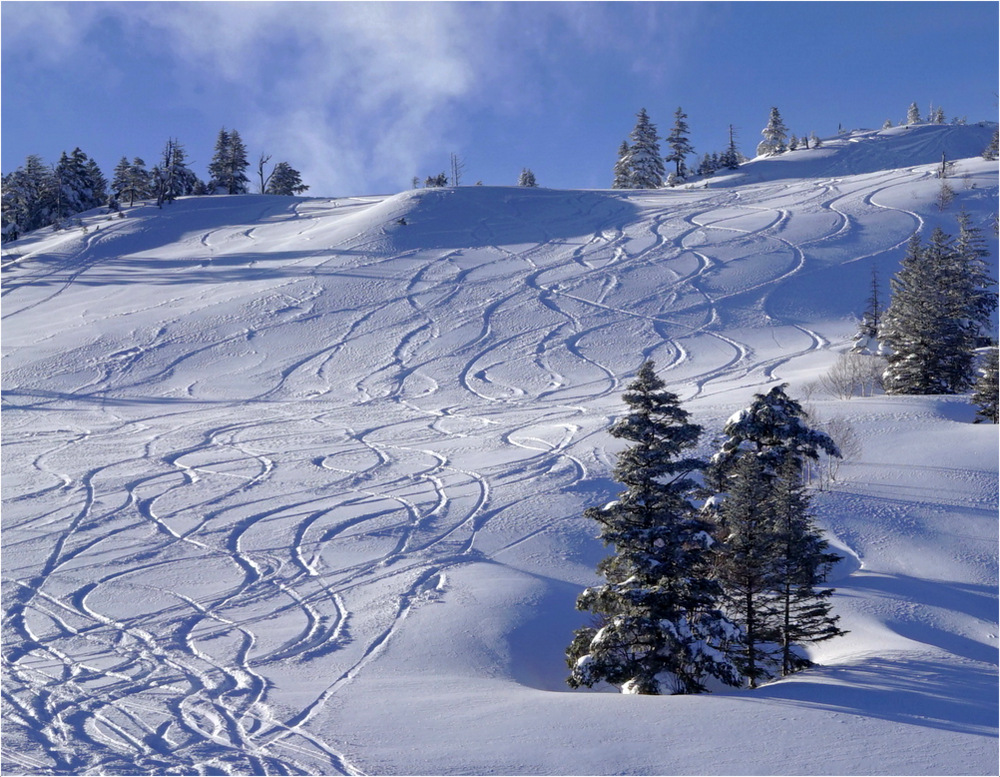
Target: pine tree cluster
column 640, row 165
column 36, row 195
column 941, row 304
column 227, row 169
column 730, row 590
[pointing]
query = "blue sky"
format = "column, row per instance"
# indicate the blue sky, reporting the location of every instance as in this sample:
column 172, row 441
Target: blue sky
column 361, row 97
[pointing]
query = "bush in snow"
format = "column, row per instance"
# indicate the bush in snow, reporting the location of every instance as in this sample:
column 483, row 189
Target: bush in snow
column 854, row 375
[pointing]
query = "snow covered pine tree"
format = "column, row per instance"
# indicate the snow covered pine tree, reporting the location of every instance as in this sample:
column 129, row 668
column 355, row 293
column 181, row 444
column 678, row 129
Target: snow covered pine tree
column 679, row 144
column 802, row 562
column 227, row 170
column 769, row 557
column 657, row 618
column 622, row 173
column 643, row 161
column 775, row 136
column 80, row 184
column 941, row 302
column 284, row 180
column 29, row 198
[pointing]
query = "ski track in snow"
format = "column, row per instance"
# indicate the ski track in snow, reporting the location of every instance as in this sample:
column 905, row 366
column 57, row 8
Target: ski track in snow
column 276, row 476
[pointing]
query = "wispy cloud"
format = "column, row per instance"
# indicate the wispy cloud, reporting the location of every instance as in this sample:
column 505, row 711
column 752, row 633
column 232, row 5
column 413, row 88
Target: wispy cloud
column 354, row 95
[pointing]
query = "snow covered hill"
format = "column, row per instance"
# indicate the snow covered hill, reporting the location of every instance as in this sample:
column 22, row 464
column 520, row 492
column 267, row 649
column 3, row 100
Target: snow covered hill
column 296, row 485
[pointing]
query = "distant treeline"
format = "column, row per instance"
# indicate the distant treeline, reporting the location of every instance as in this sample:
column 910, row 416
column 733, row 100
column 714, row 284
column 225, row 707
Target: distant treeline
column 37, row 195
column 641, row 165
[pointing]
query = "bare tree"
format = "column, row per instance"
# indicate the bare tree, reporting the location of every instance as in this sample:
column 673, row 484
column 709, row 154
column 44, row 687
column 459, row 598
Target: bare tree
column 264, row 159
column 854, row 374
column 842, row 432
column 457, row 168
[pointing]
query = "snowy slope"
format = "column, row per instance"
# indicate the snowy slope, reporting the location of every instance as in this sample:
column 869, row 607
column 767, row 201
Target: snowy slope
column 292, row 487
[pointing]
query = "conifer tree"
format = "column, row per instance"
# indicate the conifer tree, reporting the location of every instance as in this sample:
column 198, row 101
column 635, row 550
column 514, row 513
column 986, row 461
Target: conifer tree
column 802, row 563
column 941, row 301
column 645, row 165
column 173, row 178
column 119, row 177
column 98, row 183
column 913, row 114
column 873, row 312
column 987, row 388
column 731, row 157
column 974, row 284
column 218, row 167
column 769, row 558
column 775, row 136
column 526, row 178
column 657, row 610
column 81, row 186
column 284, row 180
column 622, row 172
column 706, row 167
column 36, row 195
column 773, row 427
column 238, row 164
column 745, row 565
column 227, row 170
column 916, row 326
column 139, row 182
column 680, row 145
column 29, row 198
column 992, row 150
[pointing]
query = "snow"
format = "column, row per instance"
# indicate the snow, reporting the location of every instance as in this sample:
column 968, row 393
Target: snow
column 289, row 486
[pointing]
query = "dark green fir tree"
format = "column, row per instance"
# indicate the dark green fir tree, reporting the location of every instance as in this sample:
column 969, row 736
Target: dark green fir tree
column 656, row 615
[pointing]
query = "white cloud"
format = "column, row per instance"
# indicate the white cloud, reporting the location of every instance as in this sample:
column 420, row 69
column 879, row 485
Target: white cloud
column 350, row 93
column 47, row 33
column 354, row 94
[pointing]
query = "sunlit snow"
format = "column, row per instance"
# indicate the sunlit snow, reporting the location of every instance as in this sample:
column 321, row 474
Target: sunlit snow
column 292, row 487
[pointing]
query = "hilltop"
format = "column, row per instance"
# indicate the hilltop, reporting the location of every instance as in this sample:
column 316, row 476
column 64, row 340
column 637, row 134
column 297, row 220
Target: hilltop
column 296, row 484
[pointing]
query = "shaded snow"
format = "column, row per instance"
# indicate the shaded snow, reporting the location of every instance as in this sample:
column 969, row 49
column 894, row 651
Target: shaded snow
column 289, row 485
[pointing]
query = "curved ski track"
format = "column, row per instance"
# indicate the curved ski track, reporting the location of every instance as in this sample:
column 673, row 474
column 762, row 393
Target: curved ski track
column 186, row 551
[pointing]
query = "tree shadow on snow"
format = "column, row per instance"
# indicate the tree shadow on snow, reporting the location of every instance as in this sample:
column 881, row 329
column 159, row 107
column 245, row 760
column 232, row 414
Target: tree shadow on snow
column 936, row 693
